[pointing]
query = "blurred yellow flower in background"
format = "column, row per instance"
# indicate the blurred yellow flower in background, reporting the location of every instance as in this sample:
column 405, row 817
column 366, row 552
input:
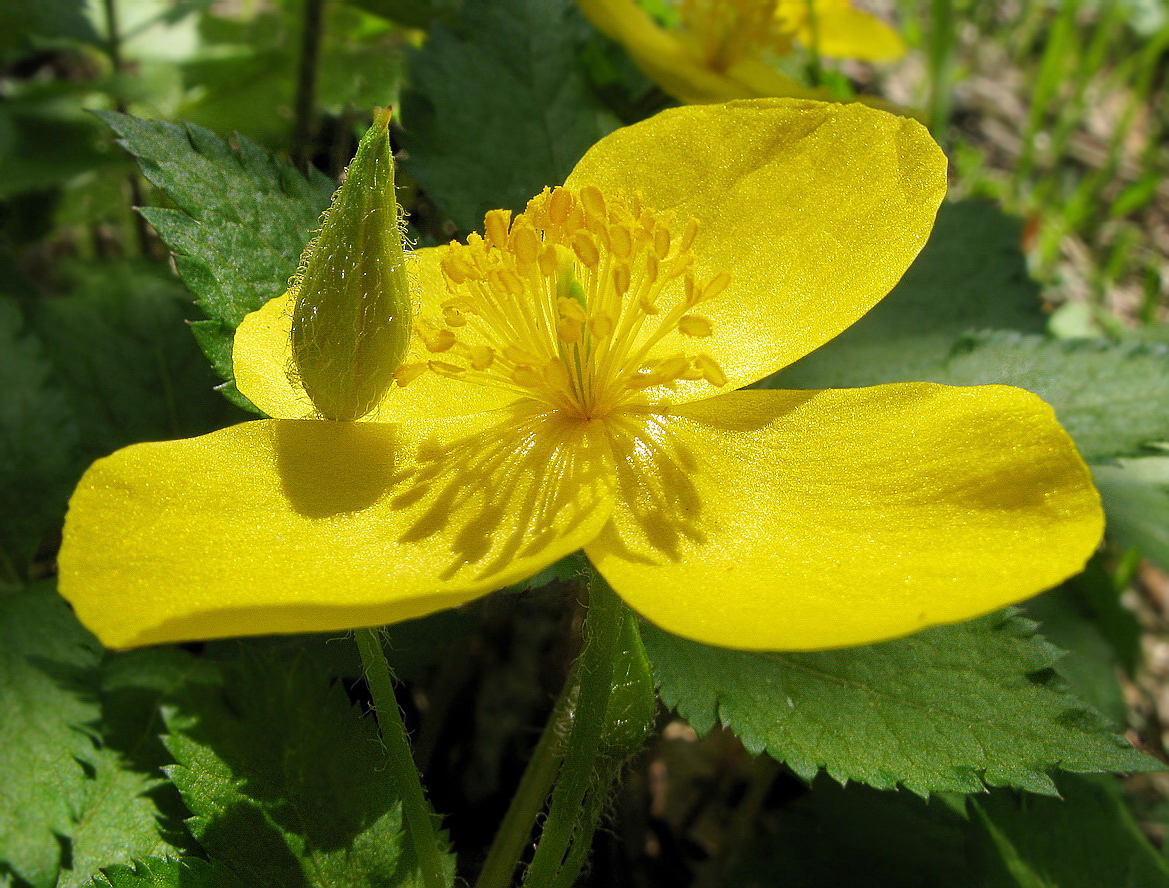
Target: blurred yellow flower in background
column 725, row 49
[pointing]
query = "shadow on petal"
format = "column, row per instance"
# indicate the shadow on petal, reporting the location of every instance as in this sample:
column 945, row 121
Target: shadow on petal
column 333, row 468
column 503, row 493
column 655, row 485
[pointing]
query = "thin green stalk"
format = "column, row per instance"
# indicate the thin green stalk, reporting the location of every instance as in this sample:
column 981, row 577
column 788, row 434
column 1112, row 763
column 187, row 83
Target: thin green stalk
column 304, row 105
column 415, row 809
column 516, row 829
column 815, row 64
column 603, row 626
column 943, row 43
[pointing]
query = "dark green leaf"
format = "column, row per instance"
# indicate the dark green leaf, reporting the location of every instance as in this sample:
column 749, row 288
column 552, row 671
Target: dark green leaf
column 38, row 438
column 1087, row 839
column 970, row 276
column 952, row 708
column 287, row 783
column 241, row 223
column 856, row 837
column 29, row 26
column 1136, row 498
column 42, row 734
column 499, row 107
column 122, row 350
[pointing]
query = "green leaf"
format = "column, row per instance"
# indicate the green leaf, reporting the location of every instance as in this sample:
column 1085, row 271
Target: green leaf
column 970, row 276
column 158, row 872
column 500, row 107
column 953, row 708
column 42, row 783
column 1136, row 498
column 1086, row 839
column 1090, row 665
column 38, row 436
column 122, row 351
column 242, row 221
column 286, row 783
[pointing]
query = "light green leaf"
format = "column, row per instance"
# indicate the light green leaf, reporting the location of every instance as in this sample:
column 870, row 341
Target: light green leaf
column 159, row 872
column 286, row 782
column 241, row 223
column 499, row 107
column 953, row 708
column 970, row 276
column 38, row 436
column 1113, row 399
column 1136, row 498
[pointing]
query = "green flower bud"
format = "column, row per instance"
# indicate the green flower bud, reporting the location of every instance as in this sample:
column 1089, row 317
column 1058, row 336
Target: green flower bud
column 351, row 322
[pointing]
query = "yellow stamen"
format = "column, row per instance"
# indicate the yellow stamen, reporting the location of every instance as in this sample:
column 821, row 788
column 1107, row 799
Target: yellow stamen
column 569, row 302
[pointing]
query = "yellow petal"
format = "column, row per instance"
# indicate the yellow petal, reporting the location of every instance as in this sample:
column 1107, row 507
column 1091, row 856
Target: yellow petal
column 804, row 520
column 262, row 358
column 816, row 210
column 845, row 33
column 309, row 526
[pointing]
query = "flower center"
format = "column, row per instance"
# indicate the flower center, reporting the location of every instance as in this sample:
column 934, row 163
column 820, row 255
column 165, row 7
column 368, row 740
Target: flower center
column 566, row 303
column 727, row 31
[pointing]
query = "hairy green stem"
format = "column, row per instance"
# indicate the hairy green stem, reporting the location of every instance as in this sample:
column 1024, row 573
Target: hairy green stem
column 579, row 772
column 415, row 809
column 943, row 40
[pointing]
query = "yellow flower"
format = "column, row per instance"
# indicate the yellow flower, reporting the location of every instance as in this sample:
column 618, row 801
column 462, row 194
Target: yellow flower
column 573, row 384
column 723, row 49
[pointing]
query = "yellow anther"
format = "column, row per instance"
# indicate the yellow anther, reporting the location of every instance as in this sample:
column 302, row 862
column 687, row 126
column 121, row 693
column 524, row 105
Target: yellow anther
column 548, row 261
column 482, row 356
column 621, row 279
column 621, row 241
column 570, row 309
column 518, row 355
column 456, row 267
column 716, row 285
column 647, row 305
column 661, row 242
column 652, row 267
column 695, row 325
column 556, row 375
column 407, row 373
column 439, row 341
column 495, row 223
column 559, row 206
column 508, row 280
column 586, row 249
column 671, row 368
column 593, row 200
column 600, row 230
column 688, row 235
column 525, row 243
column 690, row 294
column 453, row 317
column 691, row 373
column 527, row 376
column 568, row 331
column 601, row 326
column 442, row 368
column 711, row 371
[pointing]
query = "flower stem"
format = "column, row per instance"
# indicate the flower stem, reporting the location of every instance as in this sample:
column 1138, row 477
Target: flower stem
column 415, row 809
column 581, row 769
